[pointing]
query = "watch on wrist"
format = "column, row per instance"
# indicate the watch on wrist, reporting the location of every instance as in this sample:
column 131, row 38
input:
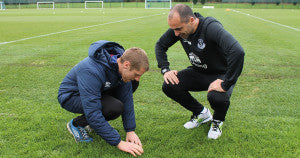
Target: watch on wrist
column 164, row 70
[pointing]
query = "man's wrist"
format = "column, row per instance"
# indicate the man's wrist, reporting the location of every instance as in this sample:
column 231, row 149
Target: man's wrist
column 224, row 86
column 164, row 70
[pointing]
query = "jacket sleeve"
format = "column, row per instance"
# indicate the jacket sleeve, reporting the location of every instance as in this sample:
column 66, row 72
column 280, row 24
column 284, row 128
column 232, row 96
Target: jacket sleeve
column 162, row 46
column 89, row 85
column 124, row 94
column 233, row 52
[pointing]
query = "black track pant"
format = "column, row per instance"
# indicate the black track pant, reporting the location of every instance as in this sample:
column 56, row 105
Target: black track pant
column 193, row 80
column 112, row 108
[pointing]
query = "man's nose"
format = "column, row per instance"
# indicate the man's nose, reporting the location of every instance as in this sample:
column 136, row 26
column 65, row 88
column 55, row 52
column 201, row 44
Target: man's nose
column 137, row 78
column 176, row 33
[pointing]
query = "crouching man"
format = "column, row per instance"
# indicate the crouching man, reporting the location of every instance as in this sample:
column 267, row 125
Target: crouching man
column 100, row 88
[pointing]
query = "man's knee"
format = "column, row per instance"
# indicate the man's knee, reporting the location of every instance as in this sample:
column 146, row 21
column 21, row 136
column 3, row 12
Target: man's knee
column 218, row 98
column 165, row 88
column 170, row 88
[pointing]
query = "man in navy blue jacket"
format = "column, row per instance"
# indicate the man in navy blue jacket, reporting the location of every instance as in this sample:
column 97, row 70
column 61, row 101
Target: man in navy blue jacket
column 100, row 88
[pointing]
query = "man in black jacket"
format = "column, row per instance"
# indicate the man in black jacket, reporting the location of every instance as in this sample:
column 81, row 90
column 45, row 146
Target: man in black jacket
column 217, row 61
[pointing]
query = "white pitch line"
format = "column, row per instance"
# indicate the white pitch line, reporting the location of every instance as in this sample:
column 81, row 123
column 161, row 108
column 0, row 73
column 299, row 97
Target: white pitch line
column 54, row 33
column 267, row 20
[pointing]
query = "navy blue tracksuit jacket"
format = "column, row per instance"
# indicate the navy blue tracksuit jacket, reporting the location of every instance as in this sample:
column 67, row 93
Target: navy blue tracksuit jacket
column 92, row 77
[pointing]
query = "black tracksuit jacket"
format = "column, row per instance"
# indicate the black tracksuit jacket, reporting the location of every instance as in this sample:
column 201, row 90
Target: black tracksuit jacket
column 211, row 49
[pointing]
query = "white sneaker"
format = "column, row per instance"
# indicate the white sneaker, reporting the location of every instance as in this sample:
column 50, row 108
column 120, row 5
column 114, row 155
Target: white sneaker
column 195, row 121
column 215, row 129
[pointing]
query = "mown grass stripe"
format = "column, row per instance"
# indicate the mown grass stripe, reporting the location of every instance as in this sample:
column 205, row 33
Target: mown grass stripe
column 86, row 27
column 266, row 20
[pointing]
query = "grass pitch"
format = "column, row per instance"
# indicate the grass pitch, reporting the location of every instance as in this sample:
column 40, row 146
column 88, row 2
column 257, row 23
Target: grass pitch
column 39, row 47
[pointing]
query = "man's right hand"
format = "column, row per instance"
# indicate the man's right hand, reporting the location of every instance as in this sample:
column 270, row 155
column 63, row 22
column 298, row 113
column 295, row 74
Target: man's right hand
column 171, row 76
column 130, row 148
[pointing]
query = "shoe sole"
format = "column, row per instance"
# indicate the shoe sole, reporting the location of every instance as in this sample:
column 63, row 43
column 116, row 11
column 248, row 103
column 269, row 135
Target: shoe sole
column 69, row 129
column 214, row 138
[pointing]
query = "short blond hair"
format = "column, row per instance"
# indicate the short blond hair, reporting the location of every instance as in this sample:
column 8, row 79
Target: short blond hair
column 137, row 57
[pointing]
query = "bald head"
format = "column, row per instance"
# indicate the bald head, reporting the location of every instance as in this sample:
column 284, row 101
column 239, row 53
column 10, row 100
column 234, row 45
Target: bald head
column 183, row 11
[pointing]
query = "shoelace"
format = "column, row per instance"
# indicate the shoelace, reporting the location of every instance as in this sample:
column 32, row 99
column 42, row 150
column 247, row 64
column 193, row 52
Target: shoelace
column 215, row 126
column 83, row 133
column 194, row 117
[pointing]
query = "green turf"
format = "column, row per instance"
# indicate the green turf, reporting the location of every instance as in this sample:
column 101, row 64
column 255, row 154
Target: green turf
column 263, row 120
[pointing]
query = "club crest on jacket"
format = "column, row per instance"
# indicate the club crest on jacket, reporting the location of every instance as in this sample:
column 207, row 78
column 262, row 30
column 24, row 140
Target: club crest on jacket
column 201, row 44
column 107, row 84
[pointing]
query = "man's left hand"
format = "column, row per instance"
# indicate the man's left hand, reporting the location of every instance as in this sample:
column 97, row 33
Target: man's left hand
column 133, row 138
column 216, row 86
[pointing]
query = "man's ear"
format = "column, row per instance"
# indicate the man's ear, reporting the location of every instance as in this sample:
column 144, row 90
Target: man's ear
column 126, row 65
column 192, row 19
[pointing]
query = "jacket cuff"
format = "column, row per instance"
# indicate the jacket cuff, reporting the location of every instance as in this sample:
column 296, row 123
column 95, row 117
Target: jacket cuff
column 225, row 85
column 116, row 143
column 129, row 130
